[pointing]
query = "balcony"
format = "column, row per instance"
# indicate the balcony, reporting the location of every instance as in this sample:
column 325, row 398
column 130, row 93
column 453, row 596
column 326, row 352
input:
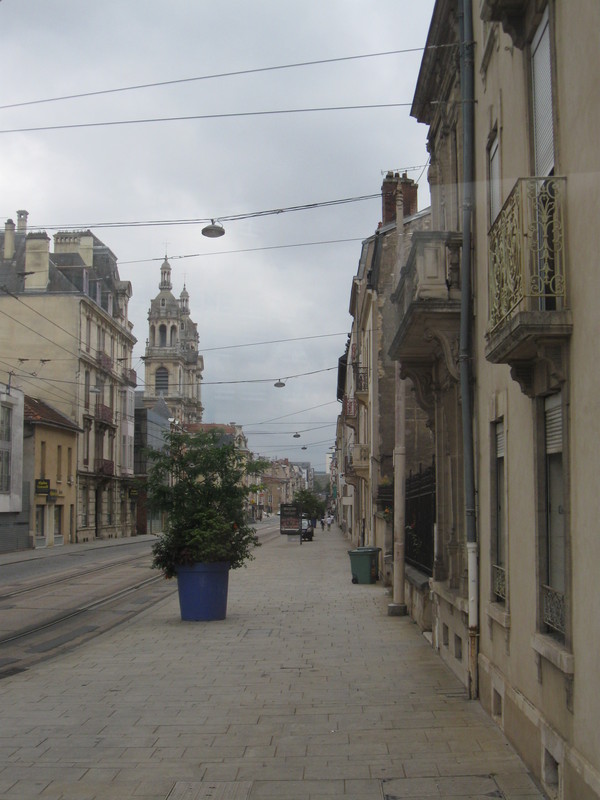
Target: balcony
column 102, row 466
column 103, row 413
column 428, row 306
column 359, row 456
column 361, row 384
column 130, row 376
column 104, row 361
column 350, row 412
column 529, row 321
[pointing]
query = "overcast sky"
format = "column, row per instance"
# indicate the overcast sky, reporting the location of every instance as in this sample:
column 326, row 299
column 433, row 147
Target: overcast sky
column 270, row 278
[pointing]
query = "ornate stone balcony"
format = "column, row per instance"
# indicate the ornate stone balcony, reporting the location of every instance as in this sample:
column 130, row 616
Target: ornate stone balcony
column 529, row 322
column 518, row 17
column 360, row 459
column 428, row 308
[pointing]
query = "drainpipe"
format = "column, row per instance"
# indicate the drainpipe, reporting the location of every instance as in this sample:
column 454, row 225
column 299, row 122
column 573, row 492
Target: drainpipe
column 397, row 608
column 465, row 352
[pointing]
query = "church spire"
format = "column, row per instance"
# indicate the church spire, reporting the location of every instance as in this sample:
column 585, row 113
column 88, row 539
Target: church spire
column 165, row 275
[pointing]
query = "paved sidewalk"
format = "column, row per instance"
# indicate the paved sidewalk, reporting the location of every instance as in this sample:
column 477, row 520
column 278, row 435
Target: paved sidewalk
column 307, row 691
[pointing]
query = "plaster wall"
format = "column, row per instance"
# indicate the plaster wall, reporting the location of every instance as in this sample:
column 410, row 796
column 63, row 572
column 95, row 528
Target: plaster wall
column 568, row 709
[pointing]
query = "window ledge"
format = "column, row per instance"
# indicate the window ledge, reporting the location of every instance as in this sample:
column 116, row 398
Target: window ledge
column 499, row 614
column 451, row 596
column 416, row 578
column 554, row 652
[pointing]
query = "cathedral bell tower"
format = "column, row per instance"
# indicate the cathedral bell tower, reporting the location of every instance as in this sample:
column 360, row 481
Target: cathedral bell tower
column 173, row 365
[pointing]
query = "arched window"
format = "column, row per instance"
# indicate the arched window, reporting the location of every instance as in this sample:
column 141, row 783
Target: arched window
column 152, row 336
column 161, row 381
column 162, row 336
column 173, row 336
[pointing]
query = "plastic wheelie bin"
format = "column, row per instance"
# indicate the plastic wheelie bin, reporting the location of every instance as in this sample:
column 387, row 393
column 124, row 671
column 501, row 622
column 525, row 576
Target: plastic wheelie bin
column 364, row 563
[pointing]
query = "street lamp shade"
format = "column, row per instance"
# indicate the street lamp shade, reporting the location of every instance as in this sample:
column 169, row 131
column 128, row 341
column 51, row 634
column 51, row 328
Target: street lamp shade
column 214, row 230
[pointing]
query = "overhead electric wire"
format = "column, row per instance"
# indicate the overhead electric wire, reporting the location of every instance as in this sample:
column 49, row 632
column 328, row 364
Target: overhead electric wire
column 191, row 117
column 245, row 249
column 272, row 341
column 235, row 73
column 227, row 218
column 268, row 380
column 293, row 414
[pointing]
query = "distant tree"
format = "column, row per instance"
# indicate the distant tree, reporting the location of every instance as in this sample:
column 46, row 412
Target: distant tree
column 310, row 502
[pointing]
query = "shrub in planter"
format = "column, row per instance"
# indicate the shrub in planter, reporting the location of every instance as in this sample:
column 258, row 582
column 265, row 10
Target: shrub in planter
column 199, row 479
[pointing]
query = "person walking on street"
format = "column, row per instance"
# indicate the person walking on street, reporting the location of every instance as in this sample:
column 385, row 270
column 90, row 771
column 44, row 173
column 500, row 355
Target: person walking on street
column 329, row 521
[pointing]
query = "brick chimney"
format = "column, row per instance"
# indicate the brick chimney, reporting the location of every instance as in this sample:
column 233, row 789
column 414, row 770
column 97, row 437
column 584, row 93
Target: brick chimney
column 9, row 239
column 409, row 195
column 389, row 188
column 22, row 221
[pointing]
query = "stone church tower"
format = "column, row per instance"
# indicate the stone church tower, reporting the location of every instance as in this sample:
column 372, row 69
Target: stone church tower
column 172, row 362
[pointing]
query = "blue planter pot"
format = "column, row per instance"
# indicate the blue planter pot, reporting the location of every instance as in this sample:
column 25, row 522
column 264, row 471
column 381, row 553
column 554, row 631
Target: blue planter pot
column 203, row 591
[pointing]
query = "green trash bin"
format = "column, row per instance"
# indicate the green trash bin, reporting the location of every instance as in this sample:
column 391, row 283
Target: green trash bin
column 364, row 563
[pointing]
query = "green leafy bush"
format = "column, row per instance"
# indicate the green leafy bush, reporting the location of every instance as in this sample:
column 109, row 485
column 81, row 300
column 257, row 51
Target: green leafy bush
column 199, row 480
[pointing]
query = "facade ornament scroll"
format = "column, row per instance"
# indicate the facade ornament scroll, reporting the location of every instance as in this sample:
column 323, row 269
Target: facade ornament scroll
column 546, row 372
column 449, row 350
column 422, row 380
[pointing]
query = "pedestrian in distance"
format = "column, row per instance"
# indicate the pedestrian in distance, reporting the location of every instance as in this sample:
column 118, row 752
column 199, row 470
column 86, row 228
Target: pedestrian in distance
column 322, row 523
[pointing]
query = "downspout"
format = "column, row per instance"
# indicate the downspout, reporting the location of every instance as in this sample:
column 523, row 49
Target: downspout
column 465, row 353
column 397, row 607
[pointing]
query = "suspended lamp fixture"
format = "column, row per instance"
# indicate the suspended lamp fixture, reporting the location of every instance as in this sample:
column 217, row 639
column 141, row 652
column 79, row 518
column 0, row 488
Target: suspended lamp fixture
column 214, row 230
column 279, row 384
column 296, row 435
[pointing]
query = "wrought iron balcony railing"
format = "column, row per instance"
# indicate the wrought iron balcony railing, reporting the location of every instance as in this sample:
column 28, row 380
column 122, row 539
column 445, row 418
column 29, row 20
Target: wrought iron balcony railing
column 130, row 376
column 103, row 466
column 554, row 609
column 103, row 413
column 499, row 583
column 362, row 380
column 104, row 361
column 527, row 251
column 349, row 406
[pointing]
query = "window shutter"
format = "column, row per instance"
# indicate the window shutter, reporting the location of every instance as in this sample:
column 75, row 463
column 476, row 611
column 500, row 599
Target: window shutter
column 499, row 440
column 553, row 423
column 542, row 100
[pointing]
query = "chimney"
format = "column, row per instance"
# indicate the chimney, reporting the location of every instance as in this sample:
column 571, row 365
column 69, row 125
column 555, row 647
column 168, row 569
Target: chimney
column 9, row 239
column 409, row 195
column 37, row 261
column 22, row 221
column 389, row 188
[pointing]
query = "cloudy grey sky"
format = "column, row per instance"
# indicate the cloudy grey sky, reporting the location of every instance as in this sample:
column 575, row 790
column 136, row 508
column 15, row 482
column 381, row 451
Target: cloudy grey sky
column 270, row 278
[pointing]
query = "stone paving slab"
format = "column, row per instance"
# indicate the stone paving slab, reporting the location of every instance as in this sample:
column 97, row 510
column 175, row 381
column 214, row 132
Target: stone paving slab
column 307, row 691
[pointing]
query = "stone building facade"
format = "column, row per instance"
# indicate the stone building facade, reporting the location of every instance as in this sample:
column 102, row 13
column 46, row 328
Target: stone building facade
column 68, row 341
